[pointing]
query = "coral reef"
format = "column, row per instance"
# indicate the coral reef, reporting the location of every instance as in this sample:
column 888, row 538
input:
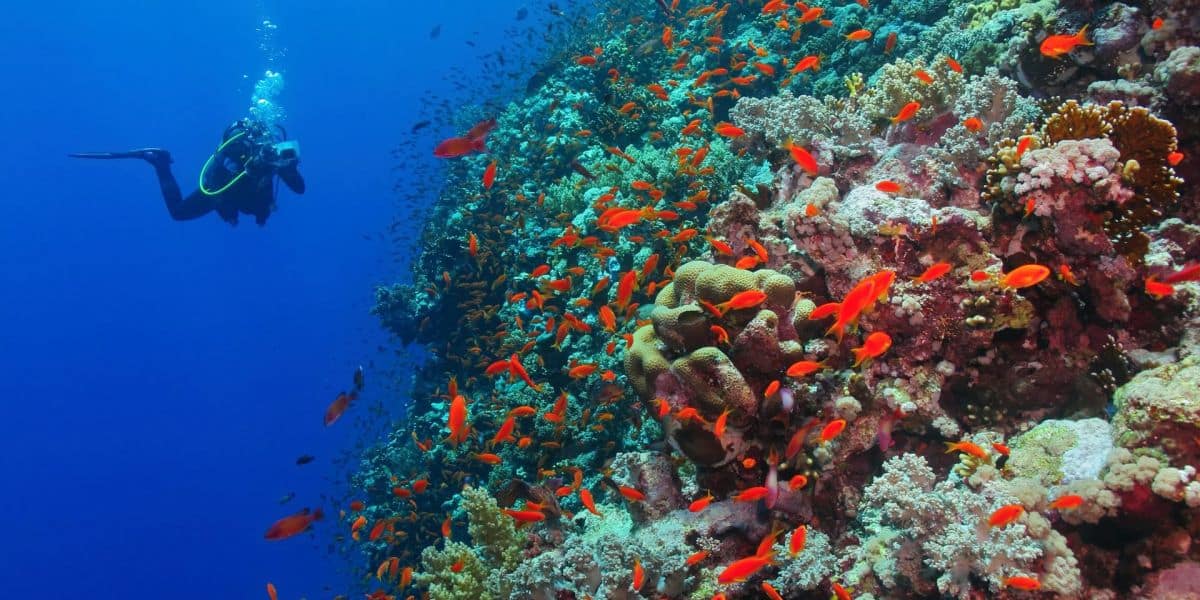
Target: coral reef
column 811, row 292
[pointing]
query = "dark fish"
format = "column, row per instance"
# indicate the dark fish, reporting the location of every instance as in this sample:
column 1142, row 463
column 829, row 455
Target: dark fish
column 555, row 10
column 305, row 459
column 287, row 497
column 522, row 13
column 581, row 170
column 359, row 378
column 419, row 126
column 437, row 30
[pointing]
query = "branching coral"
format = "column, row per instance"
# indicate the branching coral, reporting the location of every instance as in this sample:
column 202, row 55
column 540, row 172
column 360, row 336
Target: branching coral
column 908, row 522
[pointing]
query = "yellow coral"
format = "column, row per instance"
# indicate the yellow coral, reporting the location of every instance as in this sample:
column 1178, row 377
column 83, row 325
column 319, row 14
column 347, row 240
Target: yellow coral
column 855, row 83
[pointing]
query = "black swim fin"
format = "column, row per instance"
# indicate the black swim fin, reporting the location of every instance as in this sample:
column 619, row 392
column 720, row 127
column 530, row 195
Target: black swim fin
column 154, row 156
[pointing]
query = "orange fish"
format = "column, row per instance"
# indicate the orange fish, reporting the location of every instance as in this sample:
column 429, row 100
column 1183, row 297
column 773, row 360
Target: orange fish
column 639, row 575
column 516, row 368
column 1000, row 448
column 720, row 247
column 271, row 593
column 1067, row 502
column 1023, row 145
column 700, row 504
column 797, row 482
column 770, row 591
column 459, row 146
column 967, row 447
column 1157, row 289
column 589, row 503
column 923, row 77
column 803, row 368
column 489, row 175
column 973, row 124
column 631, row 494
column 859, row 35
column 907, row 112
column 832, row 430
column 625, row 288
column 799, row 536
column 1174, row 158
column 504, row 434
column 855, row 301
column 888, row 187
column 525, row 516
column 741, row 570
column 1021, row 582
column 1006, row 515
column 1056, row 46
column 933, row 272
column 489, row 458
column 751, row 494
column 824, row 310
column 1064, row 273
column 743, row 300
column 839, row 591
column 729, row 130
column 811, row 61
column 1187, row 273
column 811, row 14
column 720, row 336
column 581, row 371
column 875, row 345
column 697, row 558
column 771, row 389
column 890, row 43
column 607, row 318
column 456, row 421
column 802, row 158
column 377, row 530
column 294, row 524
column 954, row 66
column 1025, row 276
column 719, row 424
column 338, row 406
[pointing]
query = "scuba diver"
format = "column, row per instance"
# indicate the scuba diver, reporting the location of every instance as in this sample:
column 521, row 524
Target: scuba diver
column 237, row 178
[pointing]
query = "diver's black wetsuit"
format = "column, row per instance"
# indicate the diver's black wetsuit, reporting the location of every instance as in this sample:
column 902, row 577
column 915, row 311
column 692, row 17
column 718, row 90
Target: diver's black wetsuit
column 253, row 194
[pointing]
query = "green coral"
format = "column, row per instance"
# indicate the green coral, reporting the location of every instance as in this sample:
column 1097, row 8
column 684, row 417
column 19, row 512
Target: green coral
column 1038, row 453
column 981, row 12
column 492, row 531
column 439, row 577
column 895, row 85
column 496, row 551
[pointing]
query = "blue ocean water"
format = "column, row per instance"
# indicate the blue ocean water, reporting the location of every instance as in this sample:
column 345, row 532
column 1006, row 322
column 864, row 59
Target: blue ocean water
column 161, row 377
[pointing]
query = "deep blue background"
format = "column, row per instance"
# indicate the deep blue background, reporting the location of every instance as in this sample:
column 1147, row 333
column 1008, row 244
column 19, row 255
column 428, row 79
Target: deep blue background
column 159, row 378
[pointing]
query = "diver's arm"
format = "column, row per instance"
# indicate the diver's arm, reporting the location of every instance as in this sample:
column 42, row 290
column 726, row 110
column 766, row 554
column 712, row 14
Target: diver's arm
column 291, row 176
